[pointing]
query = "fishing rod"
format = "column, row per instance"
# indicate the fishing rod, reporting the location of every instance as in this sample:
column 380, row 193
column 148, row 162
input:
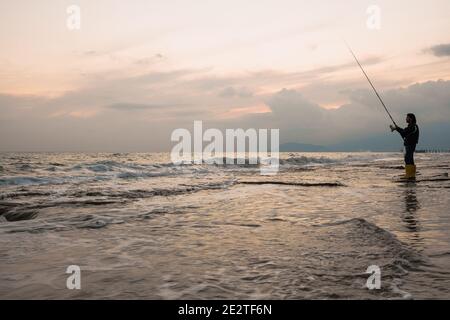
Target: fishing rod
column 371, row 84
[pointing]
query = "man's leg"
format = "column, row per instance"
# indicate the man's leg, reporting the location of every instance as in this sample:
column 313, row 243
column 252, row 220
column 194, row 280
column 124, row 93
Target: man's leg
column 409, row 155
column 410, row 168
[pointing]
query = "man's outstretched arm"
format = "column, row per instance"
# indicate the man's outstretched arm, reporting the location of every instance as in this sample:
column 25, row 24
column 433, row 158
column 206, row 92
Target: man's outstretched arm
column 403, row 132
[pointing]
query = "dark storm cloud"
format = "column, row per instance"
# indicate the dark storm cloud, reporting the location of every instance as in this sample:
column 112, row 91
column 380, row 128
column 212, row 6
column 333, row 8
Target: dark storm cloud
column 301, row 120
column 441, row 50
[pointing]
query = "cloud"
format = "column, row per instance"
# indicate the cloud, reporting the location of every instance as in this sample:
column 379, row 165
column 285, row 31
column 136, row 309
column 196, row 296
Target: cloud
column 311, row 75
column 301, row 120
column 295, row 115
column 90, row 53
column 137, row 112
column 140, row 107
column 149, row 60
column 232, row 92
column 440, row 50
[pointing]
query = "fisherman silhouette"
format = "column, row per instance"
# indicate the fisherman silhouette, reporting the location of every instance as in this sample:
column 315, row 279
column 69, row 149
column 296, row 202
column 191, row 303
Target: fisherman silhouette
column 410, row 136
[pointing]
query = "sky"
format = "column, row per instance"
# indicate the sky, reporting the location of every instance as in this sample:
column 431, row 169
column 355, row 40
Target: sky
column 136, row 70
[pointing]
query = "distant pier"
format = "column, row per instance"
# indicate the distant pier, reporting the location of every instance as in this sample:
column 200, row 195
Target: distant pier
column 433, row 151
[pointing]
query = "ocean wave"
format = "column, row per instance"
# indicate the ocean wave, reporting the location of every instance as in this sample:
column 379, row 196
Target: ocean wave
column 141, row 193
column 299, row 184
column 141, row 174
column 440, row 254
column 363, row 231
column 377, row 246
column 17, row 211
column 56, row 164
column 112, row 169
column 258, row 161
column 96, row 222
column 20, row 215
column 24, row 167
column 7, row 206
column 107, row 166
column 23, row 194
column 97, row 172
column 25, row 180
column 362, row 158
column 82, row 221
column 303, row 160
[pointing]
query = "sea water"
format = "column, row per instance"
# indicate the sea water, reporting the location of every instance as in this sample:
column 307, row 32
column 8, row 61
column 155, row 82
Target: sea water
column 140, row 227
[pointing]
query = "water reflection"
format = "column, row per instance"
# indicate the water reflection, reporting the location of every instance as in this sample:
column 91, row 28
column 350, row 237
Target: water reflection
column 411, row 206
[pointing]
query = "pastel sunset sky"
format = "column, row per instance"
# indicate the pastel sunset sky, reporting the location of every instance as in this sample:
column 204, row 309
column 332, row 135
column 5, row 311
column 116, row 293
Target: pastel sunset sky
column 138, row 69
